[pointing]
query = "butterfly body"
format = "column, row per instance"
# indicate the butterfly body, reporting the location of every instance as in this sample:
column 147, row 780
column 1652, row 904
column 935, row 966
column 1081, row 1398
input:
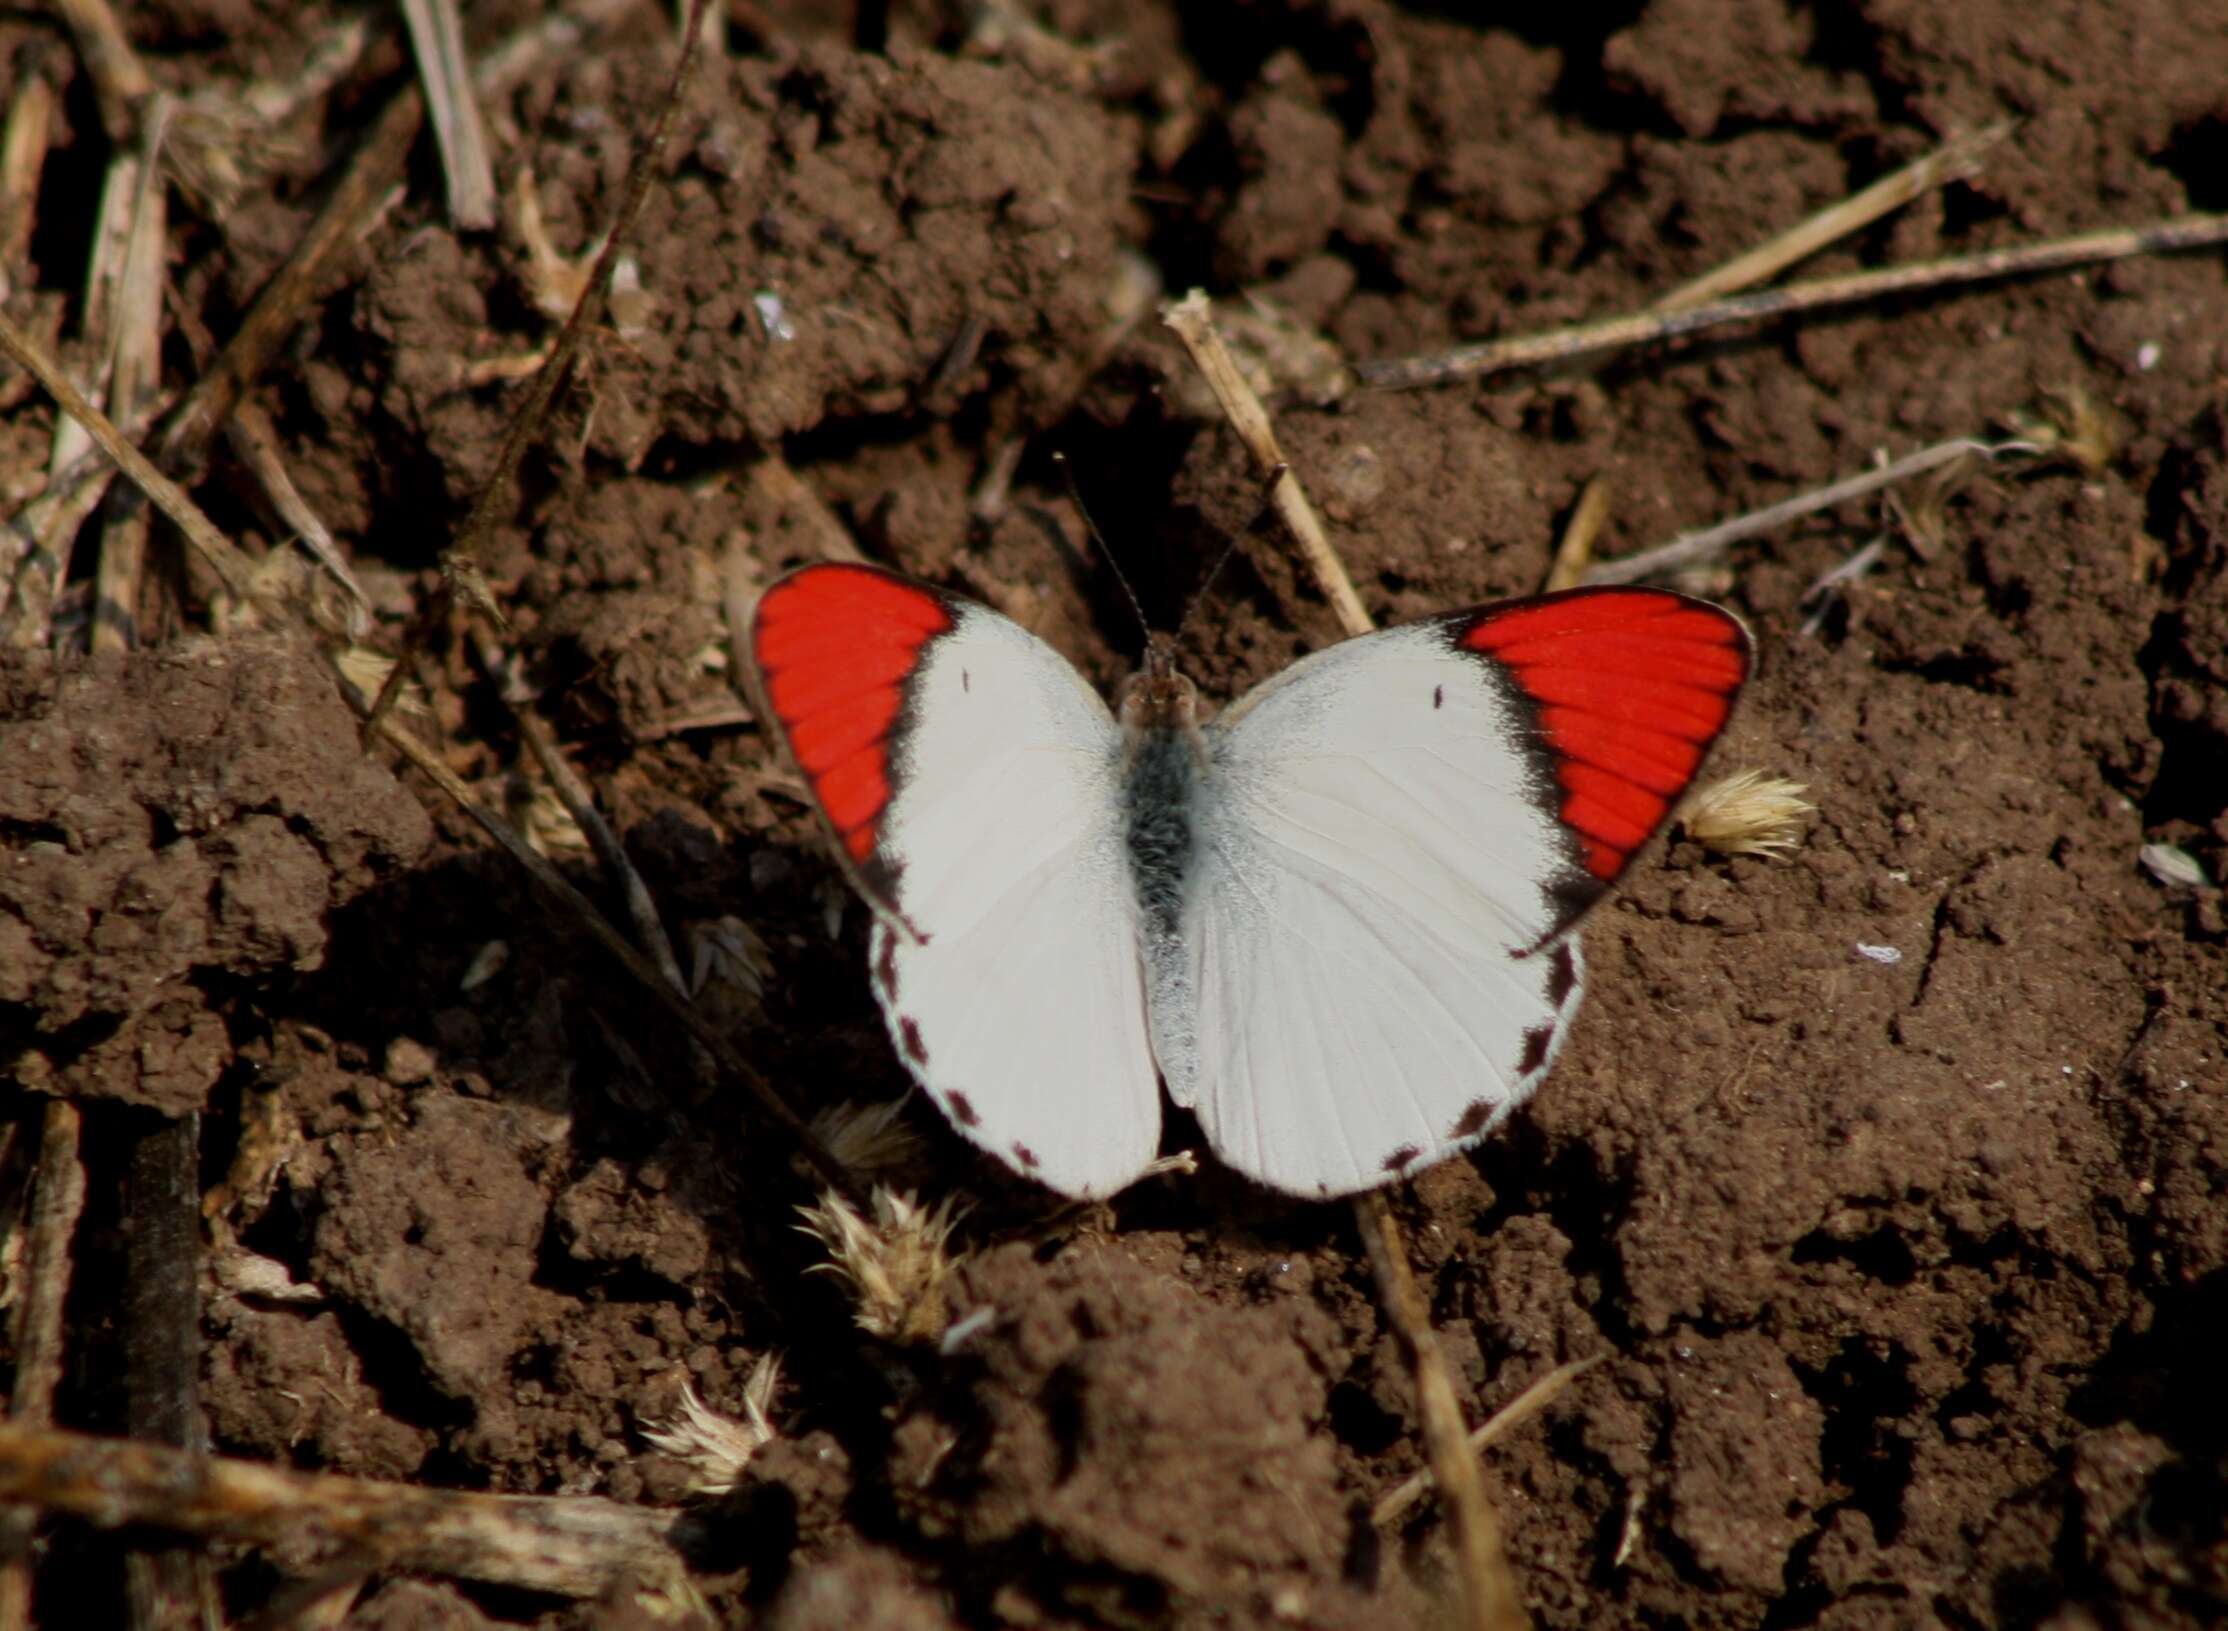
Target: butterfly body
column 1337, row 922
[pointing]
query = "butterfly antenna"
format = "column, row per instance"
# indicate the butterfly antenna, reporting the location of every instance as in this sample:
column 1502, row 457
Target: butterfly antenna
column 1106, row 550
column 1229, row 548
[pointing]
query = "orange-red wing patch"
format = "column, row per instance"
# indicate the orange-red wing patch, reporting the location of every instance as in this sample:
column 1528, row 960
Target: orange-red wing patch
column 836, row 645
column 1632, row 686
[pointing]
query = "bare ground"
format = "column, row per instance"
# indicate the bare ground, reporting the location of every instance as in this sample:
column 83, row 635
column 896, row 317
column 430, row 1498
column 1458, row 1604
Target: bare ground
column 1907, row 1270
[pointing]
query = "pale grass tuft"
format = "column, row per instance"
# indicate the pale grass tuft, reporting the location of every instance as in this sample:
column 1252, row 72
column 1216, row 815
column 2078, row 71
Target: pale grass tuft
column 2072, row 425
column 715, row 1448
column 541, row 815
column 896, row 1265
column 729, row 966
column 367, row 671
column 867, row 1137
column 729, row 951
column 1747, row 813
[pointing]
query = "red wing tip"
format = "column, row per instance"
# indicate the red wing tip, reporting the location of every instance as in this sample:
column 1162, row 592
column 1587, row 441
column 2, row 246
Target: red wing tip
column 836, row 643
column 835, row 597
column 1652, row 614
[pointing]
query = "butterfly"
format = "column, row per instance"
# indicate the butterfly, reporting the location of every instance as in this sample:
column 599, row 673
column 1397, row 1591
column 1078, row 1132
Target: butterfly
column 1337, row 922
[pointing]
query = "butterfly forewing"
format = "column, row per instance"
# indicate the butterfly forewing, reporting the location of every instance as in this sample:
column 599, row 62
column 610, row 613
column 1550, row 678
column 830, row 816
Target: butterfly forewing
column 970, row 776
column 1397, row 836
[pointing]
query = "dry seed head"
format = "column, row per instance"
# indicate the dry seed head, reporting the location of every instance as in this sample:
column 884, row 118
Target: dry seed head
column 726, row 951
column 895, row 1265
column 541, row 815
column 728, row 968
column 2072, row 425
column 1747, row 813
column 367, row 671
column 866, row 1137
column 716, row 1448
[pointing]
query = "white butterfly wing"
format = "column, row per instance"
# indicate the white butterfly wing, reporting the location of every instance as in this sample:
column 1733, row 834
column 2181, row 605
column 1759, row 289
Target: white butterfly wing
column 971, row 777
column 1374, row 964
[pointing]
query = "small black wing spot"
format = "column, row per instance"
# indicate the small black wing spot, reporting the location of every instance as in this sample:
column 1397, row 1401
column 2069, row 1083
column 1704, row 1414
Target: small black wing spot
column 1562, row 975
column 1537, row 1041
column 963, row 1110
column 1438, row 696
column 1474, row 1118
column 966, row 682
column 1400, row 1159
column 915, row 1049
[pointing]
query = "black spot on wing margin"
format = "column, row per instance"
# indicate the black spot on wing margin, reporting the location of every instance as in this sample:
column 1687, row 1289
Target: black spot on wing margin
column 1537, row 1041
column 885, row 962
column 1562, row 974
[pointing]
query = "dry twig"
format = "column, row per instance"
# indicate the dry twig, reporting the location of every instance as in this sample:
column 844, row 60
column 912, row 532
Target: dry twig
column 1688, row 548
column 55, row 1205
column 253, row 441
column 1488, row 1585
column 134, row 377
column 1193, row 322
column 460, row 571
column 580, row 804
column 162, row 1348
column 23, row 147
column 567, row 1545
column 1955, row 159
column 1648, row 327
column 438, row 39
column 232, row 568
column 645, row 972
column 222, row 555
column 1498, row 1426
column 371, row 175
column 120, row 81
column 1575, row 552
column 778, row 483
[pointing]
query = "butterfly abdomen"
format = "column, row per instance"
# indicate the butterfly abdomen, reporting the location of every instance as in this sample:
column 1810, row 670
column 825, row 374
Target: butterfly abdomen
column 1157, row 810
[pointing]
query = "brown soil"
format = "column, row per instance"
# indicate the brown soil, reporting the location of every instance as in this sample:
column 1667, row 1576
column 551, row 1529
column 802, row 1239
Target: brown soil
column 1907, row 1272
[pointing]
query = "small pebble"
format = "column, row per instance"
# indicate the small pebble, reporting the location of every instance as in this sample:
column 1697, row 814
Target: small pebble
column 408, row 1062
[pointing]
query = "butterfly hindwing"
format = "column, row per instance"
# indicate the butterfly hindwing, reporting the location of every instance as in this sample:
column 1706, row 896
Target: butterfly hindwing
column 1394, row 840
column 970, row 775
